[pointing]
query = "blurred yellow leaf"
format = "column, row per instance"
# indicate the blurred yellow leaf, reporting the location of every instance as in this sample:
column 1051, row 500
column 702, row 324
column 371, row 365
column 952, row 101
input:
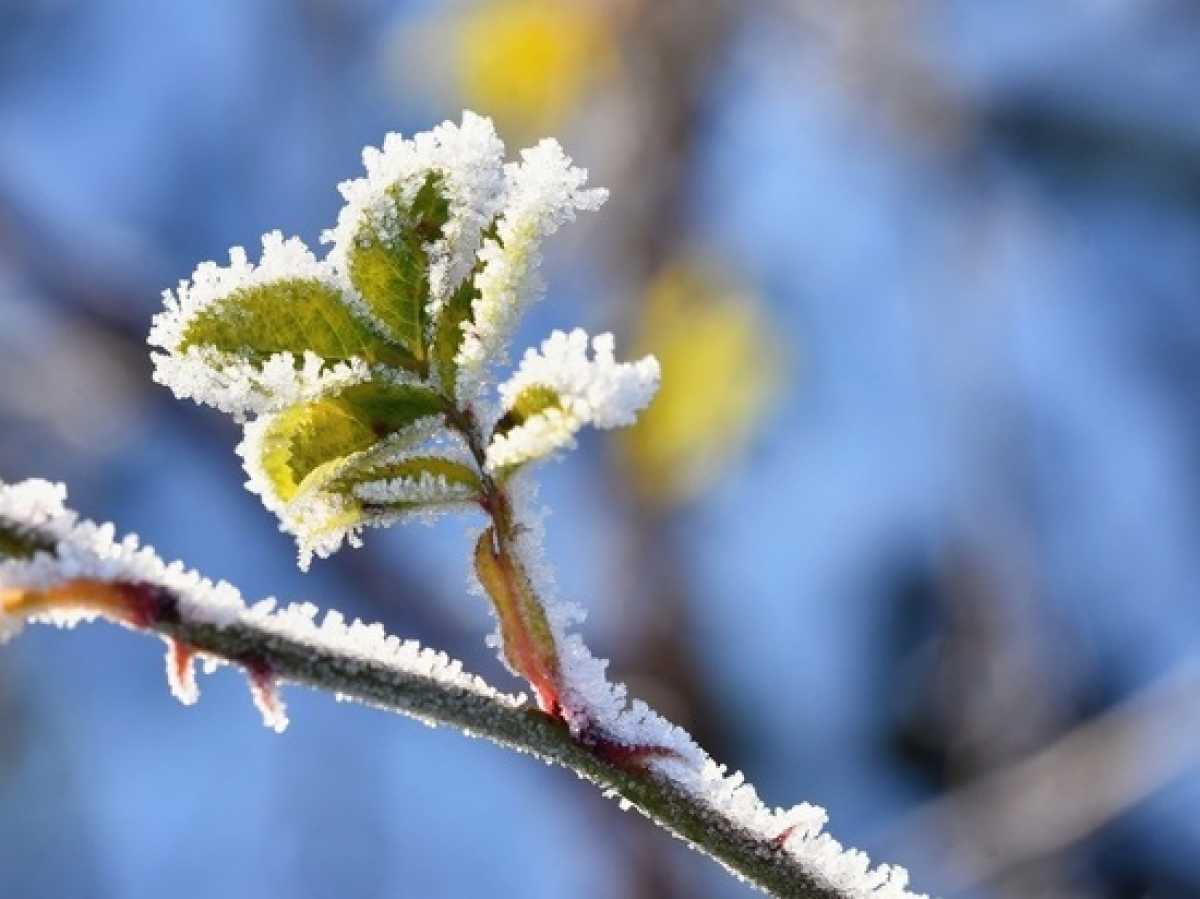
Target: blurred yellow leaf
column 526, row 63
column 720, row 367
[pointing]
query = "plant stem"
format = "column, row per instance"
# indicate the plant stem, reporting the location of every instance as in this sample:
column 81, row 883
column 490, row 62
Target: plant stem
column 528, row 639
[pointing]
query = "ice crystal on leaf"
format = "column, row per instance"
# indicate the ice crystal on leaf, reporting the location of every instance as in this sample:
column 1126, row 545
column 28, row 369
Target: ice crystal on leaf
column 306, row 461
column 248, row 338
column 542, row 192
column 461, row 164
column 557, row 391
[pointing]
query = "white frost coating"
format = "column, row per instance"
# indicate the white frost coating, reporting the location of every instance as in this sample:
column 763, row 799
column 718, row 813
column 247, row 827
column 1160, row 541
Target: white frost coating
column 426, row 488
column 252, row 449
column 239, row 388
column 543, row 192
column 589, row 699
column 469, row 157
column 84, row 549
column 211, row 283
column 798, row 830
column 598, row 391
column 595, row 706
column 321, row 523
column 223, row 381
column 34, row 504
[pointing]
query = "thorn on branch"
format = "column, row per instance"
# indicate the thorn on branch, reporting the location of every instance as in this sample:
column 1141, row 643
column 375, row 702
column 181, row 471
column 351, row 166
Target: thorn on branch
column 181, row 671
column 264, row 690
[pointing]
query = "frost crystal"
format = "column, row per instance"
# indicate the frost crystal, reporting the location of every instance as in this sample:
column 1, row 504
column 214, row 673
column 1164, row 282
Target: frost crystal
column 469, row 160
column 543, row 191
column 239, row 388
column 84, row 550
column 211, row 283
column 598, row 391
column 425, row 489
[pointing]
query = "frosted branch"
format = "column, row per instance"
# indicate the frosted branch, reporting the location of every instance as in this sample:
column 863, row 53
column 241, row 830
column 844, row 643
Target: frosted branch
column 502, row 720
column 62, row 570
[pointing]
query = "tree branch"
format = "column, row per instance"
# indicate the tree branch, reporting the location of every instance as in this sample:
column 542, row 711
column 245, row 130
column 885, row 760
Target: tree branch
column 520, row 727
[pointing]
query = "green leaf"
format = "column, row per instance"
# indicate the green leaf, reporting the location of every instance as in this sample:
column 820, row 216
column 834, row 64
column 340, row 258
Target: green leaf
column 448, row 336
column 448, row 331
column 20, row 542
column 389, row 265
column 367, row 470
column 289, row 315
column 350, row 512
column 529, row 402
column 306, row 443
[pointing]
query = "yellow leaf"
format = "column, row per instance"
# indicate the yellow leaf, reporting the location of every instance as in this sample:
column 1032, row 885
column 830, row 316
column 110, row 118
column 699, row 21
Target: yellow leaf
column 528, row 62
column 720, row 367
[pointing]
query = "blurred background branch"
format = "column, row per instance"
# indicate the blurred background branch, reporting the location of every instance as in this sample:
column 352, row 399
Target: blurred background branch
column 1066, row 791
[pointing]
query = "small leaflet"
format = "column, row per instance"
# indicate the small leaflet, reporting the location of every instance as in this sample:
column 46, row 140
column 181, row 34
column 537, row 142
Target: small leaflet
column 572, row 391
